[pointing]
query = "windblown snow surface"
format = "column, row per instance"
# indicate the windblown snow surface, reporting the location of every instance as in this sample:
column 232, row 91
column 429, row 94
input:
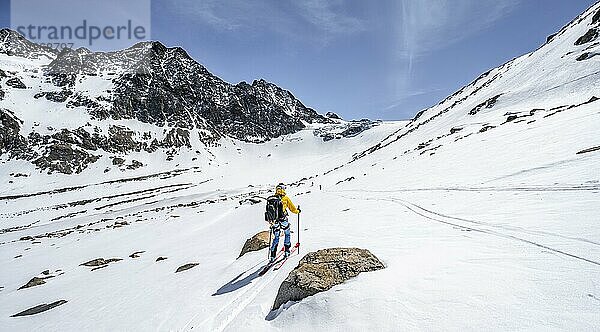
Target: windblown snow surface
column 488, row 220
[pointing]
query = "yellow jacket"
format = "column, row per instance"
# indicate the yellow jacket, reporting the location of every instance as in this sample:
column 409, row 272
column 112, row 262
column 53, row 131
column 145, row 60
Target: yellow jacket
column 287, row 204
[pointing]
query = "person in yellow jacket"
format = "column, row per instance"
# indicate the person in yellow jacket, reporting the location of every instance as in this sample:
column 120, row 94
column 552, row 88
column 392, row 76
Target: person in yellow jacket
column 282, row 223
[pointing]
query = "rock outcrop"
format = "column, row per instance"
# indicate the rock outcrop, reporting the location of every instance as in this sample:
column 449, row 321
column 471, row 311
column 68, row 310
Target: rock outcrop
column 186, row 267
column 332, row 115
column 16, row 83
column 486, row 104
column 11, row 141
column 589, row 36
column 64, row 158
column 35, row 281
column 99, row 263
column 345, row 129
column 41, row 278
column 319, row 271
column 250, row 201
column 136, row 254
column 257, row 242
column 39, row 308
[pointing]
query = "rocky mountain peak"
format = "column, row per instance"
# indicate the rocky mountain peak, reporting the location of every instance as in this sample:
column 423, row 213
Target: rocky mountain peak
column 14, row 44
column 150, row 83
column 157, row 50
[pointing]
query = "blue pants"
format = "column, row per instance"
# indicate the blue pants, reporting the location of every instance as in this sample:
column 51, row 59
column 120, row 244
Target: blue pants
column 286, row 230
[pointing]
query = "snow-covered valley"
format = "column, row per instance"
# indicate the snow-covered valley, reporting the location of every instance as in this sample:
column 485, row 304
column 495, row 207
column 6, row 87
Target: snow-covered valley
column 484, row 210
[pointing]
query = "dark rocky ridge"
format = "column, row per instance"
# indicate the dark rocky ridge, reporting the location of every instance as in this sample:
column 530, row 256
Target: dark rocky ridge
column 166, row 87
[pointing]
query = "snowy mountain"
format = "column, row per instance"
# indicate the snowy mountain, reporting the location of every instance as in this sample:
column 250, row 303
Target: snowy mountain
column 483, row 208
column 63, row 111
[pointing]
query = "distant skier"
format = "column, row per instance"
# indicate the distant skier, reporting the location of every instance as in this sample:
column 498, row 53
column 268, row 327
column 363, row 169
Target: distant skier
column 277, row 215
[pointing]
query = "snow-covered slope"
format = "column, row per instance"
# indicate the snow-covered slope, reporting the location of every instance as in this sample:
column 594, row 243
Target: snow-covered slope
column 536, row 111
column 484, row 209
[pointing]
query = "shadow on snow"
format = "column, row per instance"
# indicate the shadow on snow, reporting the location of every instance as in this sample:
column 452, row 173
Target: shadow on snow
column 237, row 283
column 276, row 312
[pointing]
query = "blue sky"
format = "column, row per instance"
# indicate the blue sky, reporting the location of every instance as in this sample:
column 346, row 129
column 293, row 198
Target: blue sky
column 375, row 59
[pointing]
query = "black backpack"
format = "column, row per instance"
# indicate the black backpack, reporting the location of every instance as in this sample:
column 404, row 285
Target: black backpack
column 274, row 210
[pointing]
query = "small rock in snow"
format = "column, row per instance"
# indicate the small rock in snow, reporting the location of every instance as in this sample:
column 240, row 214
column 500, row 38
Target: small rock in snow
column 136, row 254
column 35, row 281
column 39, row 308
column 186, row 267
column 100, row 261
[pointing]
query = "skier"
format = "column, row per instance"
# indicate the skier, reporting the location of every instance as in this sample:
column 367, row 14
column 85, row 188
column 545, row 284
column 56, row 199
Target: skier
column 282, row 223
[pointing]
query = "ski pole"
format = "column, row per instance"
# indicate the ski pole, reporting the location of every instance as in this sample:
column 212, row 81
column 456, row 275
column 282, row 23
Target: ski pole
column 299, row 229
column 269, row 248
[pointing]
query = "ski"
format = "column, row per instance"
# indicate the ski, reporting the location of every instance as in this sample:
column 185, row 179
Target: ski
column 278, row 266
column 271, row 264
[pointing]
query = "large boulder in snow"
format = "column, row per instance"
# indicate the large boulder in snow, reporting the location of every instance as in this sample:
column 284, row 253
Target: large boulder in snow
column 257, row 242
column 319, row 271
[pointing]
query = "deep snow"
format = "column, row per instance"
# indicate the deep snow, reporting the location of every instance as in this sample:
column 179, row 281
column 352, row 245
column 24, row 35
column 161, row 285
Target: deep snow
column 494, row 229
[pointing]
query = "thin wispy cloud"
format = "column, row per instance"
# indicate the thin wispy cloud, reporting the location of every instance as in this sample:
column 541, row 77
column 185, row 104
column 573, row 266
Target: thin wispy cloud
column 429, row 25
column 407, row 95
column 311, row 21
column 329, row 16
column 398, row 45
column 220, row 15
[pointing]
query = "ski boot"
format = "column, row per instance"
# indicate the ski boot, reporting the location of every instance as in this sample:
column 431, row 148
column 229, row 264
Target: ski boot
column 287, row 250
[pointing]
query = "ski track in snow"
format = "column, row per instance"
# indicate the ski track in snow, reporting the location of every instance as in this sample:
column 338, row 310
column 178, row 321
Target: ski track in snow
column 475, row 189
column 164, row 193
column 538, row 168
column 220, row 320
column 442, row 218
column 559, row 188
